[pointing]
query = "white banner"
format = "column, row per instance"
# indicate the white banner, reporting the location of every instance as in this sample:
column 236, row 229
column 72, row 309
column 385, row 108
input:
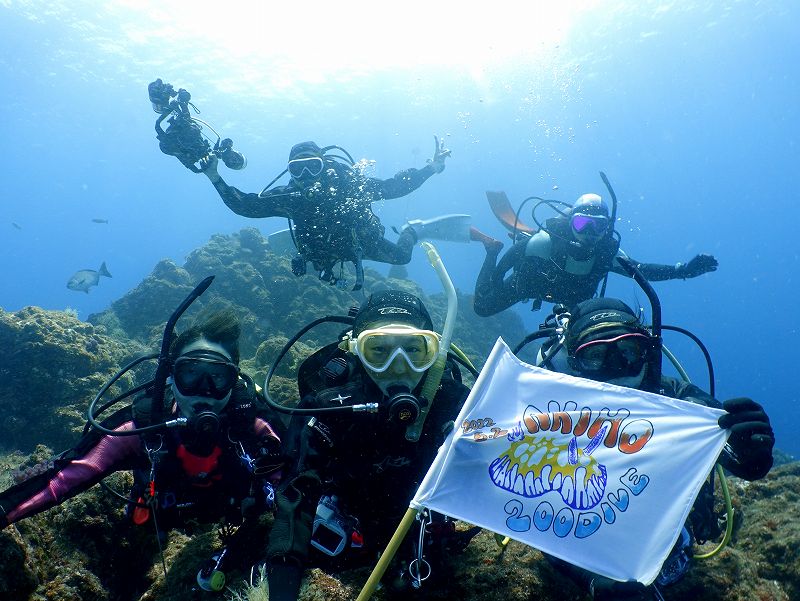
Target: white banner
column 598, row 475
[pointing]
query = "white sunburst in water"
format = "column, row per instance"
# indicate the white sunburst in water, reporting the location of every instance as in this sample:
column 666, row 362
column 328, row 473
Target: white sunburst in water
column 284, row 46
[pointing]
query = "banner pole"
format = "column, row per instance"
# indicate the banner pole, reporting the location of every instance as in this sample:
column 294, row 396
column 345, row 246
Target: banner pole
column 388, row 555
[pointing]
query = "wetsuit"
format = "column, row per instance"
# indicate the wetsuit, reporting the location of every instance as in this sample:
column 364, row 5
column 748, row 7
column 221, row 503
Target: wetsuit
column 556, row 269
column 203, row 478
column 360, row 458
column 333, row 218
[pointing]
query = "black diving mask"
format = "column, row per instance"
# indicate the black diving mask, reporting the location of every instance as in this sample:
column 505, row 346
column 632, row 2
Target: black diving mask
column 204, row 374
column 618, row 357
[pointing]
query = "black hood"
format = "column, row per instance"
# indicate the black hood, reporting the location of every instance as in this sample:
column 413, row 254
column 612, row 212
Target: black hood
column 395, row 305
column 305, row 149
column 600, row 318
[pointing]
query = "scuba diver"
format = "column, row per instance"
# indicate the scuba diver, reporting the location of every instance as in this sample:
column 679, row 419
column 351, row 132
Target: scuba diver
column 379, row 411
column 328, row 202
column 563, row 261
column 603, row 339
column 195, row 439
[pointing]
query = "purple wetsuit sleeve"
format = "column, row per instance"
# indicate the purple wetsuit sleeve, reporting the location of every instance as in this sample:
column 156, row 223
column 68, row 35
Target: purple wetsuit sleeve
column 80, row 474
column 263, row 429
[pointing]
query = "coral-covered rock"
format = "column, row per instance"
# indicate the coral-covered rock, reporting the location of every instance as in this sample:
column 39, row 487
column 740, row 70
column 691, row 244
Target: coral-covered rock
column 53, row 365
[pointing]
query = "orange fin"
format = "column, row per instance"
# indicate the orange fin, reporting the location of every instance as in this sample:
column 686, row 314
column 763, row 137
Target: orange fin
column 502, row 209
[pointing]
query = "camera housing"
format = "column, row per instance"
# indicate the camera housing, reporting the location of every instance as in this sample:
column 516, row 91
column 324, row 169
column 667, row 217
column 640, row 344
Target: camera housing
column 332, row 531
column 184, row 137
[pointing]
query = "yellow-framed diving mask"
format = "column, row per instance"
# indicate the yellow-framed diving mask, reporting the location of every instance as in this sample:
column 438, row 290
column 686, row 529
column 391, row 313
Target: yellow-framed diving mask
column 377, row 348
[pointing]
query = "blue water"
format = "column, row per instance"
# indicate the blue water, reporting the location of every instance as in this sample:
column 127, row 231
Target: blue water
column 691, row 108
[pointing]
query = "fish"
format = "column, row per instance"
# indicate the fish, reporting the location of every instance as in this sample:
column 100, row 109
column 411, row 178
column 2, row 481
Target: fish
column 97, row 220
column 86, row 278
column 16, row 225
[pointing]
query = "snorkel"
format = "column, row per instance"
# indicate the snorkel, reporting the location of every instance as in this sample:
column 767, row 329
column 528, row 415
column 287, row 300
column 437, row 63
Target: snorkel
column 652, row 379
column 612, row 224
column 434, row 376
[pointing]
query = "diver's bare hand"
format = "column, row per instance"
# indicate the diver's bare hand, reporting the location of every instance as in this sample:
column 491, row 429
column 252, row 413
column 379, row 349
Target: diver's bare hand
column 439, row 155
column 208, row 164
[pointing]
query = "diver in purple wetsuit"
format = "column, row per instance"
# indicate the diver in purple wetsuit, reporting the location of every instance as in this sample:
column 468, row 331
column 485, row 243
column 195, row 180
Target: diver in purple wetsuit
column 219, row 462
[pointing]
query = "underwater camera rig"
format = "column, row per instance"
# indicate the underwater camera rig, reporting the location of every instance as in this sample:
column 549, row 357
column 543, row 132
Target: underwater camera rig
column 184, row 138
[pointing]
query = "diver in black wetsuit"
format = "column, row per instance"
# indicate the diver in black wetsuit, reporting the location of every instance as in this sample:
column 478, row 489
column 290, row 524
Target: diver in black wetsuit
column 565, row 261
column 604, row 340
column 329, row 203
column 355, row 472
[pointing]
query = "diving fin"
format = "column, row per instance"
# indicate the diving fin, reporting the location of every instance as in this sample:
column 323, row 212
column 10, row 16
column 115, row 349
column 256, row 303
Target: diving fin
column 281, row 242
column 502, row 209
column 450, row 228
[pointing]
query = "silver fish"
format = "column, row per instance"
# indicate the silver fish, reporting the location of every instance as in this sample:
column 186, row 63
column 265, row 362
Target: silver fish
column 86, row 278
column 98, row 220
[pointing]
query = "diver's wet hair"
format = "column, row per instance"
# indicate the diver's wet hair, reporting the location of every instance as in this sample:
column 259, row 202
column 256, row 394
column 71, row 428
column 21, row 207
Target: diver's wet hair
column 221, row 327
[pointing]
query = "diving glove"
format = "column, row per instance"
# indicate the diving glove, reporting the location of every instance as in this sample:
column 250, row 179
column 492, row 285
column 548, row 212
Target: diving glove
column 751, row 438
column 698, row 265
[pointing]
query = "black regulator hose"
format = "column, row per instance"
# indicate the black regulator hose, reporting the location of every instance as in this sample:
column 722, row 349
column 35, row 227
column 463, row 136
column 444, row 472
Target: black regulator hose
column 546, row 332
column 706, row 354
column 516, row 216
column 470, row 368
column 92, row 414
column 289, row 344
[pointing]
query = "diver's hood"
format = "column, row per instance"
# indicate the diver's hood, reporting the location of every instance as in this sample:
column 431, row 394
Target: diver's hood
column 305, row 149
column 599, row 318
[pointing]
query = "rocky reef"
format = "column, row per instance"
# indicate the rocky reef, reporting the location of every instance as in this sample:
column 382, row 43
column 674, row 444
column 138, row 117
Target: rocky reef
column 85, row 549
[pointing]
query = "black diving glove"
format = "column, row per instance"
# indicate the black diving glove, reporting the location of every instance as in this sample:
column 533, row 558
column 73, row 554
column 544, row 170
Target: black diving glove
column 698, row 266
column 751, row 438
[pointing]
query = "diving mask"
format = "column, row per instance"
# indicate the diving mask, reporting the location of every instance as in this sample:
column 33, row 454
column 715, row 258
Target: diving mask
column 592, row 225
column 378, row 348
column 204, row 374
column 622, row 356
column 313, row 166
